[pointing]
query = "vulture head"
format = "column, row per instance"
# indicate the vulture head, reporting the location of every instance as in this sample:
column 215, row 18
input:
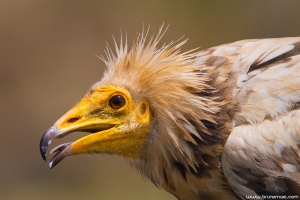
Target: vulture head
column 151, row 107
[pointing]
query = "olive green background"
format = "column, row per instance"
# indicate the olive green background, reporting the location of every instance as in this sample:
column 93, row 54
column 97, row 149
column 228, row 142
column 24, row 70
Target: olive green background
column 48, row 61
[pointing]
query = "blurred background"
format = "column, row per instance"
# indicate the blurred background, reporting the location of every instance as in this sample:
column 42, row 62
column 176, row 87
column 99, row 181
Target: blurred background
column 48, row 61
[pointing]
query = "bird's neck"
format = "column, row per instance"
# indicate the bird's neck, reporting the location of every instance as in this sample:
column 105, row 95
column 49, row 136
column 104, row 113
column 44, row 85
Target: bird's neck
column 200, row 180
column 191, row 169
column 205, row 181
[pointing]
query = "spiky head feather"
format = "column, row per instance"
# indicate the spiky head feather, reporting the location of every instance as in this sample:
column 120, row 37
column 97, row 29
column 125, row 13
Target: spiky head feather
column 171, row 82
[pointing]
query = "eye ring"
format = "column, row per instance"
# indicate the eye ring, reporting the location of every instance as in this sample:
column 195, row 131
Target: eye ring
column 117, row 101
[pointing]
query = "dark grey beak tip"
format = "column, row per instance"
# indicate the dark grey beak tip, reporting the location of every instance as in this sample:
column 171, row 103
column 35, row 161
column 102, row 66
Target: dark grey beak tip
column 46, row 139
column 43, row 152
column 61, row 151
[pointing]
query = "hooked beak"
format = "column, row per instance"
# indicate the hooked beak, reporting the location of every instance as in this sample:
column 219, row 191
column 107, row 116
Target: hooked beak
column 65, row 149
column 61, row 151
column 72, row 121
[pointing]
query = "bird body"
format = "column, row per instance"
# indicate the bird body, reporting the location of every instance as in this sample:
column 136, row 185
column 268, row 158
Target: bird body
column 221, row 123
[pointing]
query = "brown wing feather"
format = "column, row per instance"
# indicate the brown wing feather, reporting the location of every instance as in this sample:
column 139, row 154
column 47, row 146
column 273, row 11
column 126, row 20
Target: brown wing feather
column 262, row 154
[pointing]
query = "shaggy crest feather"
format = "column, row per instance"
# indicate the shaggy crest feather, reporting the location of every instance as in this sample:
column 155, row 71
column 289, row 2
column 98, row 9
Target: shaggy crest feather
column 170, row 81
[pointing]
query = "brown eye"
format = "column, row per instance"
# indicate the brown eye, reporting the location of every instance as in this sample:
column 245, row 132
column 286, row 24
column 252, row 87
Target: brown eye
column 117, row 102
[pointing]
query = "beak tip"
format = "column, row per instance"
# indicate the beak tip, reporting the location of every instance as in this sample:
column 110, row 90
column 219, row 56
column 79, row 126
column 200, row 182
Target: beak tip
column 51, row 165
column 44, row 158
column 45, row 141
column 61, row 151
column 43, row 152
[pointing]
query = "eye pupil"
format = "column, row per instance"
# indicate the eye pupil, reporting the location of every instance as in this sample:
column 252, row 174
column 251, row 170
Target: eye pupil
column 117, row 102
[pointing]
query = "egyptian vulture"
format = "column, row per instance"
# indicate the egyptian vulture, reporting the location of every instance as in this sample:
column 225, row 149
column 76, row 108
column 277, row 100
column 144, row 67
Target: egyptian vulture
column 221, row 123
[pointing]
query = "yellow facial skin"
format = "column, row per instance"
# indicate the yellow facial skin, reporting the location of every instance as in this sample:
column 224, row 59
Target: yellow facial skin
column 121, row 131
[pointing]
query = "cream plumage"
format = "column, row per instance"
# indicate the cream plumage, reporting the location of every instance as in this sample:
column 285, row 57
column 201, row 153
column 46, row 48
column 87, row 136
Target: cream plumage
column 221, row 123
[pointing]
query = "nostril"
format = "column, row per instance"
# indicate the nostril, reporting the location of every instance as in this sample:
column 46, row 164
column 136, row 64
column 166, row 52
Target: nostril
column 73, row 119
